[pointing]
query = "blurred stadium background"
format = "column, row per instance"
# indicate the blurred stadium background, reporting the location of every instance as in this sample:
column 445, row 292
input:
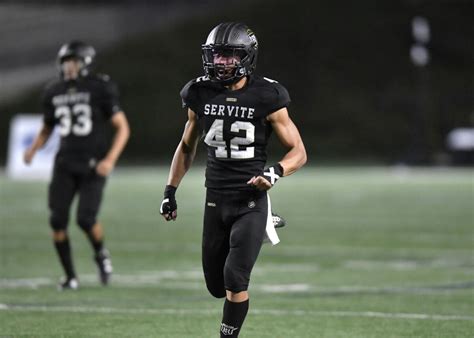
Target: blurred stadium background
column 381, row 226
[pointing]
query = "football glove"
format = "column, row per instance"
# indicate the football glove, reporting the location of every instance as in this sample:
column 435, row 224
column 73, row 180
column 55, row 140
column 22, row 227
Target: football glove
column 168, row 206
column 272, row 174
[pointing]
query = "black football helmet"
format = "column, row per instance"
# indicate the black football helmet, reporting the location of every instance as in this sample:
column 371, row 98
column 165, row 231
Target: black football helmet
column 234, row 40
column 77, row 50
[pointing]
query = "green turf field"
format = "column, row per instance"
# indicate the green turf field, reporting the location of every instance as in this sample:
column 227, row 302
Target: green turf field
column 368, row 252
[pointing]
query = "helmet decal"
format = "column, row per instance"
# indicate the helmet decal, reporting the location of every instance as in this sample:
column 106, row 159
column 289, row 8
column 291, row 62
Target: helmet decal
column 252, row 37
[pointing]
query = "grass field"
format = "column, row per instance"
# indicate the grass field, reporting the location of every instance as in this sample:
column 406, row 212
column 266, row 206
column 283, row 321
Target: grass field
column 368, row 252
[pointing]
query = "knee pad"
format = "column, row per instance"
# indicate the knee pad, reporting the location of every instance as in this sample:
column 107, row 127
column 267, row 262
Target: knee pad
column 217, row 291
column 235, row 279
column 215, row 285
column 58, row 220
column 85, row 222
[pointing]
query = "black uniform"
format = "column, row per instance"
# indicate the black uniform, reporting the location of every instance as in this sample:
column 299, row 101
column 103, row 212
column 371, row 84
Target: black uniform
column 236, row 133
column 82, row 109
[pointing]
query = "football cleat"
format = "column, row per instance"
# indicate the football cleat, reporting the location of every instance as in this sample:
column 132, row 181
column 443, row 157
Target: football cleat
column 68, row 284
column 104, row 265
column 278, row 221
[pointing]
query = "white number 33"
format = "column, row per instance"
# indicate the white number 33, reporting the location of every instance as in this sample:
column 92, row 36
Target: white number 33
column 83, row 124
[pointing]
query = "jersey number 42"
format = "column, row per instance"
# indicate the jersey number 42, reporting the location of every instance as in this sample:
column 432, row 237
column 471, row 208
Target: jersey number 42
column 237, row 145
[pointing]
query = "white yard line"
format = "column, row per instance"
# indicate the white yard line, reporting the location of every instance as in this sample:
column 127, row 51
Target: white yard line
column 193, row 280
column 264, row 312
column 370, row 314
column 283, row 288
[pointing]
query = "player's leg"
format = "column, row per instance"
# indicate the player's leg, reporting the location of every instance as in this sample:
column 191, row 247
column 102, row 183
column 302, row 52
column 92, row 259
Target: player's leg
column 215, row 245
column 246, row 239
column 61, row 192
column 90, row 198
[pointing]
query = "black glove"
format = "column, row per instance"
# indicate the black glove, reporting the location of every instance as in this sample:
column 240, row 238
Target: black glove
column 272, row 174
column 168, row 206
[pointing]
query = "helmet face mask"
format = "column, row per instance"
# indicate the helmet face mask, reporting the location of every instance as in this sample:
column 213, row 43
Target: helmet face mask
column 229, row 53
column 224, row 64
column 71, row 68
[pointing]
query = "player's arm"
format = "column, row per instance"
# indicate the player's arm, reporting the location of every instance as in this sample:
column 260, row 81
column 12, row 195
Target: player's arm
column 39, row 141
column 185, row 152
column 290, row 138
column 182, row 160
column 295, row 157
column 122, row 134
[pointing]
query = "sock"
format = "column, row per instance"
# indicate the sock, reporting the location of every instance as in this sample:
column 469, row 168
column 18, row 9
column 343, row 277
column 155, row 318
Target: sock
column 97, row 245
column 233, row 318
column 64, row 252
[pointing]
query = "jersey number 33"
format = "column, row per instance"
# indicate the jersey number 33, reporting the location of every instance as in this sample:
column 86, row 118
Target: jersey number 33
column 82, row 125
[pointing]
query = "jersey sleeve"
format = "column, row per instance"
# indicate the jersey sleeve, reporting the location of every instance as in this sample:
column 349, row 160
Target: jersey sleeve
column 188, row 96
column 280, row 98
column 48, row 108
column 111, row 104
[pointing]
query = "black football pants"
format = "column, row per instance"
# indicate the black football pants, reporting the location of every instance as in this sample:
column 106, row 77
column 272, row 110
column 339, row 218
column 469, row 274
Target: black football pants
column 234, row 229
column 68, row 181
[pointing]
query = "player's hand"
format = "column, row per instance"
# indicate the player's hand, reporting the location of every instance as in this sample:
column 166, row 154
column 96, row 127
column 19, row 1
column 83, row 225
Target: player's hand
column 169, row 207
column 260, row 183
column 28, row 156
column 105, row 167
column 268, row 178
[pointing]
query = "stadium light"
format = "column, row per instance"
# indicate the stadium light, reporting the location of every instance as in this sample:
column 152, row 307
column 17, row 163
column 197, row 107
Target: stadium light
column 420, row 29
column 420, row 56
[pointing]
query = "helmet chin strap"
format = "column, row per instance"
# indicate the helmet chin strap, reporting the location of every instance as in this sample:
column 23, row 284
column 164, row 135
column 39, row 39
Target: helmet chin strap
column 231, row 81
column 239, row 73
column 84, row 71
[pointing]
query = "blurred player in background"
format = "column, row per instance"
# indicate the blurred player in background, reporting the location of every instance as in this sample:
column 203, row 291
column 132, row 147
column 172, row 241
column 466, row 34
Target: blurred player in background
column 236, row 112
column 83, row 105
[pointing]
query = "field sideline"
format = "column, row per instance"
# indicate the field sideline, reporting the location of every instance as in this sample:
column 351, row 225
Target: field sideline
column 368, row 252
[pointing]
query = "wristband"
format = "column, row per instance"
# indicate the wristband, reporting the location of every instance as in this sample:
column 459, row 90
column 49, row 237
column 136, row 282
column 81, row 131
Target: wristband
column 272, row 174
column 170, row 191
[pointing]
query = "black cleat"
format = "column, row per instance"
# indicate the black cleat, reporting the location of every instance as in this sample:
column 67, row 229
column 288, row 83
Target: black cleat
column 68, row 284
column 278, row 221
column 104, row 264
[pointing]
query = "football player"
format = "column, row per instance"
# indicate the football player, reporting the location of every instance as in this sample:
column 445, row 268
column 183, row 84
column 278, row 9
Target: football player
column 83, row 106
column 235, row 111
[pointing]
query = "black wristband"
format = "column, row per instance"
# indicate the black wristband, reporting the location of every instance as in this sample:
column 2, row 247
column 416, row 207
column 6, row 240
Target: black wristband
column 273, row 174
column 170, row 191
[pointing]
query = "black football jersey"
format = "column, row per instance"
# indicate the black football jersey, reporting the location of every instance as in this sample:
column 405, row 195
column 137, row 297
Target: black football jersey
column 235, row 128
column 81, row 109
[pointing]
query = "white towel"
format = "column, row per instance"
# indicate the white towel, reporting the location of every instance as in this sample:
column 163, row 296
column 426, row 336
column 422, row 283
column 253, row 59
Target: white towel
column 270, row 231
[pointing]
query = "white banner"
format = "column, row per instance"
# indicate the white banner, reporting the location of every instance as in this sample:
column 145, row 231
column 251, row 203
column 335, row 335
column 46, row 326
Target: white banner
column 23, row 130
column 461, row 139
